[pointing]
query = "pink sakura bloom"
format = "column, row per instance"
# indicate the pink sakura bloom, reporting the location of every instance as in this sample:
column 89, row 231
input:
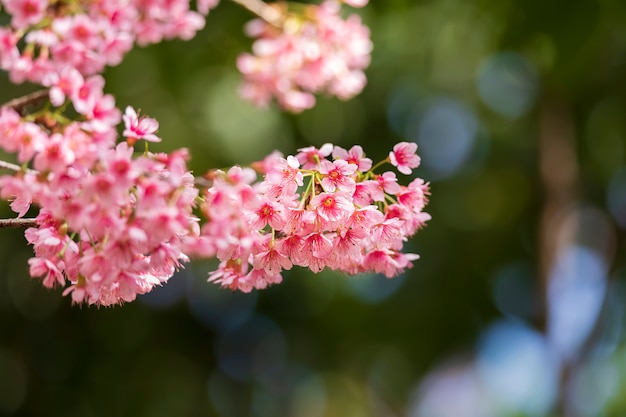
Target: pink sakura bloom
column 49, row 270
column 354, row 156
column 268, row 213
column 103, row 116
column 56, row 155
column 291, row 247
column 80, row 28
column 117, row 13
column 362, row 195
column 11, row 128
column 332, row 207
column 270, row 260
column 387, row 262
column 311, row 157
column 115, row 45
column 85, row 97
column 26, row 12
column 261, row 279
column 381, row 261
column 284, row 177
column 404, row 157
column 347, row 247
column 411, row 221
column 385, row 183
column 139, row 128
column 21, row 69
column 268, row 164
column 364, row 219
column 31, row 139
column 315, row 248
column 72, row 52
column 239, row 175
column 19, row 191
column 67, row 82
column 9, row 53
column 298, row 219
column 387, row 232
column 414, row 195
column 87, row 146
column 185, row 26
column 338, row 175
column 232, row 274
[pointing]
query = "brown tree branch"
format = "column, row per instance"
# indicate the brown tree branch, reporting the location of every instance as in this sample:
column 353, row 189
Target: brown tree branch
column 15, row 223
column 20, row 102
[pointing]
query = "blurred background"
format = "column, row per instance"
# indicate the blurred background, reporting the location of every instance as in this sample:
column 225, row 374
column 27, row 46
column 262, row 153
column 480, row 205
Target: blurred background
column 517, row 305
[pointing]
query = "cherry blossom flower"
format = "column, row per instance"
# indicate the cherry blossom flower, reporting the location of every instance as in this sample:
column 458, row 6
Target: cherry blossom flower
column 311, row 157
column 354, row 156
column 139, row 127
column 26, row 12
column 404, row 157
column 338, row 176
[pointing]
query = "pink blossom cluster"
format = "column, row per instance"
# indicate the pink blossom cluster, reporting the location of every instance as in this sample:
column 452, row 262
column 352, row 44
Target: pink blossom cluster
column 313, row 52
column 111, row 224
column 47, row 38
column 114, row 223
column 322, row 208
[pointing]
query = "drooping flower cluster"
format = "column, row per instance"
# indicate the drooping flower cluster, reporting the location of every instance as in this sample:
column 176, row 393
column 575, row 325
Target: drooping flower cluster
column 323, row 208
column 312, row 52
column 111, row 224
column 47, row 39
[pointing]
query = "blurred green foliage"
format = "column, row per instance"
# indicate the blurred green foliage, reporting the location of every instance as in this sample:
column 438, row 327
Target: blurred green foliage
column 474, row 73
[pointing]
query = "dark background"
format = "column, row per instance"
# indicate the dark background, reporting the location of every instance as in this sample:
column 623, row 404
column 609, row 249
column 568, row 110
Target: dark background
column 516, row 307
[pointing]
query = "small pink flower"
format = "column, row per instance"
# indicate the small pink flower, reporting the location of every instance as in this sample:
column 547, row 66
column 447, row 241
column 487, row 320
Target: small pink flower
column 365, row 218
column 414, row 195
column 404, row 157
column 26, row 12
column 354, row 156
column 385, row 183
column 311, row 157
column 233, row 275
column 332, row 207
column 65, row 83
column 44, row 267
column 382, row 262
column 139, row 127
column 338, row 175
column 272, row 261
column 8, row 48
column 268, row 213
column 86, row 95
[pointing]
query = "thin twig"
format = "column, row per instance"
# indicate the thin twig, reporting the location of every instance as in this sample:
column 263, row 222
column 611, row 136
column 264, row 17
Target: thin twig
column 15, row 223
column 20, row 102
column 268, row 13
column 16, row 168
